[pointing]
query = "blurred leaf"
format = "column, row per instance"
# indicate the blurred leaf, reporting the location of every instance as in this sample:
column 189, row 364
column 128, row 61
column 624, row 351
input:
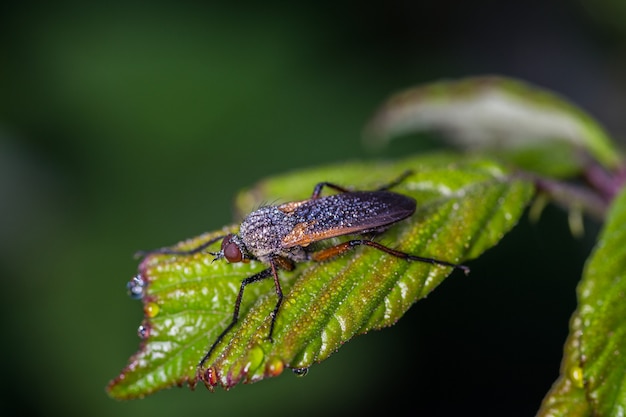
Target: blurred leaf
column 465, row 206
column 593, row 374
column 602, row 307
column 535, row 129
column 567, row 397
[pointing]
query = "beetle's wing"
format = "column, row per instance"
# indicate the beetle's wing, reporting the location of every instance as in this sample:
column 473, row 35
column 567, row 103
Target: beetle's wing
column 305, row 233
column 345, row 214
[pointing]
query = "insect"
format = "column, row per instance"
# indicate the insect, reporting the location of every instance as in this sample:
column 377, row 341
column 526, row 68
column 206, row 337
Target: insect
column 280, row 236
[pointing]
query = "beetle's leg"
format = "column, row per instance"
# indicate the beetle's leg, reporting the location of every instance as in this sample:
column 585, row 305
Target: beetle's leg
column 279, row 301
column 275, row 263
column 397, row 181
column 318, row 188
column 254, row 278
column 337, row 250
column 170, row 251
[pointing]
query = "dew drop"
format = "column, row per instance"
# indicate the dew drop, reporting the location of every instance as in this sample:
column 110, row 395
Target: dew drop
column 151, row 310
column 274, row 367
column 576, row 374
column 300, row 371
column 210, row 376
column 135, row 287
column 143, row 331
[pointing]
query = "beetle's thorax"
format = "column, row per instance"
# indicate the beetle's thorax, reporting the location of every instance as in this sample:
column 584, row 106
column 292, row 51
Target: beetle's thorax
column 261, row 235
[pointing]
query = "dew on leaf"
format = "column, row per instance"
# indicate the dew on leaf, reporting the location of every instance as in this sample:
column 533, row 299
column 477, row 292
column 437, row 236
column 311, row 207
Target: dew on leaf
column 143, row 331
column 209, row 377
column 135, row 287
column 274, row 367
column 151, row 310
column 576, row 374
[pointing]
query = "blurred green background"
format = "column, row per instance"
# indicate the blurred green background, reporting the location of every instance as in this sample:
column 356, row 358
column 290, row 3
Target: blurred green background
column 129, row 125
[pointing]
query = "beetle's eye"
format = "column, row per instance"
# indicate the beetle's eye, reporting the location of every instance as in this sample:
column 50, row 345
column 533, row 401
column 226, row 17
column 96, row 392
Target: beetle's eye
column 231, row 251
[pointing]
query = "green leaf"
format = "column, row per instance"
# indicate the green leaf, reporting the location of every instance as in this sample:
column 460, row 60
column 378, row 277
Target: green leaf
column 465, row 206
column 595, row 354
column 533, row 128
column 567, row 397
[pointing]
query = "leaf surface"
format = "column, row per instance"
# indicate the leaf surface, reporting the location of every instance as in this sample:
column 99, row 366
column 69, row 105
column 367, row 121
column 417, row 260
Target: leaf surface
column 465, row 206
column 593, row 374
column 533, row 128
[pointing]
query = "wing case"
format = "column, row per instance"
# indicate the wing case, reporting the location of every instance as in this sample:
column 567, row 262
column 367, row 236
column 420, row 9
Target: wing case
column 344, row 214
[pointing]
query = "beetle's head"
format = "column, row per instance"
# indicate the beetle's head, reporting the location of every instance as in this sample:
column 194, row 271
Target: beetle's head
column 232, row 249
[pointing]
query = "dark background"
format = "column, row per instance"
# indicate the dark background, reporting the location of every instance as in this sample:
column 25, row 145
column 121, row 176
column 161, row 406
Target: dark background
column 126, row 125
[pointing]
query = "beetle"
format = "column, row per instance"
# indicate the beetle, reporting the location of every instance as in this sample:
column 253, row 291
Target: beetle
column 281, row 235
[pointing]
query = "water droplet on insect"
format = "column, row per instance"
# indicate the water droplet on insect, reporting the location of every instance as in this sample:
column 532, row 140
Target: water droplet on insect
column 300, row 371
column 143, row 331
column 135, row 287
column 151, row 310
